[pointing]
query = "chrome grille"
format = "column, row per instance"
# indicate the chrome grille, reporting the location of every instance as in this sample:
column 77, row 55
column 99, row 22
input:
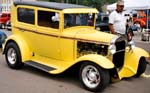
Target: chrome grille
column 118, row 57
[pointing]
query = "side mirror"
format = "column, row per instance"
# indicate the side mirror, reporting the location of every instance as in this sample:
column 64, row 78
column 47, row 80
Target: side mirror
column 129, row 36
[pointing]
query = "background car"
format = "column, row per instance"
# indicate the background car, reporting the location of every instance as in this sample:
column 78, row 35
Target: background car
column 2, row 38
column 4, row 17
column 102, row 22
column 8, row 25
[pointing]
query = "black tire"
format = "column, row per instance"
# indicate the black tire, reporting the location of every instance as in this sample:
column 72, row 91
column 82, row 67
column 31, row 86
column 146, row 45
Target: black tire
column 141, row 67
column 0, row 25
column 102, row 77
column 13, row 56
column 3, row 26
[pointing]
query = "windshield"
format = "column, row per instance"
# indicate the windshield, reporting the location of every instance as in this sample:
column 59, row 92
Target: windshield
column 85, row 19
column 102, row 19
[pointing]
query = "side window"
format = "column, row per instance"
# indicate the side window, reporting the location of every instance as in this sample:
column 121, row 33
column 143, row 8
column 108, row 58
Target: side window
column 48, row 19
column 8, row 15
column 4, row 15
column 26, row 15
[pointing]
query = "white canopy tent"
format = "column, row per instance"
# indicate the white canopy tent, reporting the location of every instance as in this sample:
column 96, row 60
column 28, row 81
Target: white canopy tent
column 132, row 4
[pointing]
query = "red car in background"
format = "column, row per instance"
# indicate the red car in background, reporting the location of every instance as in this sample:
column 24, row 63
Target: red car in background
column 141, row 19
column 4, row 18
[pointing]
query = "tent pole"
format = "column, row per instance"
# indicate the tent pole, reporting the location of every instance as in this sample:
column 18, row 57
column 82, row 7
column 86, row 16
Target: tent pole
column 147, row 20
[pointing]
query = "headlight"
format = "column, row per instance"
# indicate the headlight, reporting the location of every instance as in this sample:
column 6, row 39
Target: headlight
column 112, row 49
column 131, row 44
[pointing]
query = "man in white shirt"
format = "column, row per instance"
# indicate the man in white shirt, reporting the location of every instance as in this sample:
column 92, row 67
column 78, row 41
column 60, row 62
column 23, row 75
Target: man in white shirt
column 117, row 20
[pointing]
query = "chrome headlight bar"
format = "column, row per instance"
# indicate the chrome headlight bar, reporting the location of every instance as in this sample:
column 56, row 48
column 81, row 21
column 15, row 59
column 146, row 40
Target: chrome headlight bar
column 112, row 47
column 131, row 44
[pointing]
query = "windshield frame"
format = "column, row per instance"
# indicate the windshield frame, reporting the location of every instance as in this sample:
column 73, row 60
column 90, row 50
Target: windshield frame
column 86, row 19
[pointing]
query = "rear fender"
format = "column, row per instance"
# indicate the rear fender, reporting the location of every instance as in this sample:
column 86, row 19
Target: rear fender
column 98, row 59
column 23, row 46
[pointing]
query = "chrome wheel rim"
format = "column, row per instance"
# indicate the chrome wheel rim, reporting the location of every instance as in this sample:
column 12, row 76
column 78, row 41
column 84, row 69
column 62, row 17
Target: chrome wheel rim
column 91, row 76
column 11, row 56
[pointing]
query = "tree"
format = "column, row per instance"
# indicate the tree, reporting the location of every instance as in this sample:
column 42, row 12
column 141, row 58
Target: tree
column 92, row 3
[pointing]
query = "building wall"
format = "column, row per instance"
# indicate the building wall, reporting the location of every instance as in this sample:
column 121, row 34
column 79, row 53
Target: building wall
column 5, row 4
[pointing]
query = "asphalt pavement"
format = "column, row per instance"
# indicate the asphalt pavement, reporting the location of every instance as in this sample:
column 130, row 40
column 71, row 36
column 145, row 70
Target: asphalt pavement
column 138, row 42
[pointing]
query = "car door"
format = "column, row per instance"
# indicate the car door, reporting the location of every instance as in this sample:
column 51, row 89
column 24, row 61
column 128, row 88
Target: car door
column 3, row 18
column 47, row 38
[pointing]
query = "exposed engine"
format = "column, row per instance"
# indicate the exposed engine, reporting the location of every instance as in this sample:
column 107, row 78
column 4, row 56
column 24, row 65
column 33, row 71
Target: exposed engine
column 84, row 48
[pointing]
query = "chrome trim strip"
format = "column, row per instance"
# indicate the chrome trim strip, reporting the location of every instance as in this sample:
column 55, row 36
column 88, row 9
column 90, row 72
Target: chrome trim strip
column 73, row 38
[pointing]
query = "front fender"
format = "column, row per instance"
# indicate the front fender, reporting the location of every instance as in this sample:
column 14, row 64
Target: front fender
column 136, row 54
column 98, row 59
column 131, row 62
column 23, row 46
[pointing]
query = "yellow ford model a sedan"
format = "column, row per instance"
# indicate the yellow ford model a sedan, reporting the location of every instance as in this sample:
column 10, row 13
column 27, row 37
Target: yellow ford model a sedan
column 54, row 37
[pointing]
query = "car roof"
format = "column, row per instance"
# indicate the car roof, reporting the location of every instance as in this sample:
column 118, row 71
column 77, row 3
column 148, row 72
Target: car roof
column 51, row 5
column 103, row 14
column 4, row 12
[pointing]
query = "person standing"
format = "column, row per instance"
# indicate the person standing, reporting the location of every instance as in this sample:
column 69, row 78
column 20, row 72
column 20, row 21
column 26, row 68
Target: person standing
column 117, row 20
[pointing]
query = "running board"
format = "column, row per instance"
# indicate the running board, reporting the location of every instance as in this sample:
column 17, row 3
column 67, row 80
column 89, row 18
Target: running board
column 39, row 66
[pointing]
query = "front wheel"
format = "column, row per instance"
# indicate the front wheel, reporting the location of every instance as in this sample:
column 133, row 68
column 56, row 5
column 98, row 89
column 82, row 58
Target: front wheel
column 93, row 77
column 141, row 67
column 13, row 56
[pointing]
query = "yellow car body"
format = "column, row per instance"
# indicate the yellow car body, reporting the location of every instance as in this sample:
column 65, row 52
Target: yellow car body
column 55, row 50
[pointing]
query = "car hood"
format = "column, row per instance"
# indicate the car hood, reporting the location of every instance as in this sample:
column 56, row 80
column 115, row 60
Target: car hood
column 88, row 35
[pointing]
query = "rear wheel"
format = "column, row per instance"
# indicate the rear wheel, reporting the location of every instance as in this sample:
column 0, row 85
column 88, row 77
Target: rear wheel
column 2, row 26
column 141, row 67
column 93, row 77
column 13, row 56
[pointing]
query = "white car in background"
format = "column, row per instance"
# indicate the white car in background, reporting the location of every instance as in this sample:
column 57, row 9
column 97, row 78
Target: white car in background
column 8, row 25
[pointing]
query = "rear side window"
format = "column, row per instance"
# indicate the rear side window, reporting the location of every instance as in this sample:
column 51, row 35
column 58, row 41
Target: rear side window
column 26, row 15
column 48, row 19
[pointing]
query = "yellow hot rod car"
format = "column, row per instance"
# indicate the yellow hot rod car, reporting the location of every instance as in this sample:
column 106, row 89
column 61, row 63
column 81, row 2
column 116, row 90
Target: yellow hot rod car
column 54, row 37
